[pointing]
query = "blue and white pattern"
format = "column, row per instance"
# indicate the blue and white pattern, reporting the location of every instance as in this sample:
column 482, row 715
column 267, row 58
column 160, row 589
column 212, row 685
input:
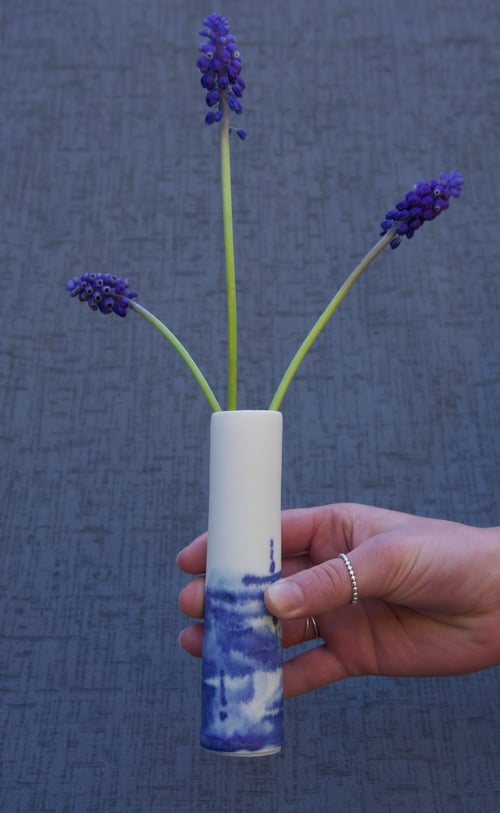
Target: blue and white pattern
column 242, row 678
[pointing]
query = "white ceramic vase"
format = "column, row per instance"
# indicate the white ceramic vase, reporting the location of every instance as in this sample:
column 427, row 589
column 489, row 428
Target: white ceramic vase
column 242, row 675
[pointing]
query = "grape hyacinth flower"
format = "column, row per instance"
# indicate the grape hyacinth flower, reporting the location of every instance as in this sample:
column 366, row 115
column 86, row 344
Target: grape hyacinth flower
column 104, row 292
column 108, row 293
column 424, row 202
column 220, row 66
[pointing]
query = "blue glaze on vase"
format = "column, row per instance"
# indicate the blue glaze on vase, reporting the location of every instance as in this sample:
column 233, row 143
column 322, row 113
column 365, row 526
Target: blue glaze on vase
column 242, row 691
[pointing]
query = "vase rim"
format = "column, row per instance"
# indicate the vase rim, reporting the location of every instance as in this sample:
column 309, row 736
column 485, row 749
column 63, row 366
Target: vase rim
column 247, row 412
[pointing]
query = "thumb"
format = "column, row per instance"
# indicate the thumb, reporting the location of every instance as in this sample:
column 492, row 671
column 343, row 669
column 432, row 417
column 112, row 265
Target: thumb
column 324, row 587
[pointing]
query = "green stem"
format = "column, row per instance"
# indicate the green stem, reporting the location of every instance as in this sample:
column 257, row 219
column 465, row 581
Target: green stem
column 186, row 357
column 325, row 316
column 227, row 214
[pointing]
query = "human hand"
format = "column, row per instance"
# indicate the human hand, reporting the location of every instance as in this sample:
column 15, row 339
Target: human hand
column 429, row 595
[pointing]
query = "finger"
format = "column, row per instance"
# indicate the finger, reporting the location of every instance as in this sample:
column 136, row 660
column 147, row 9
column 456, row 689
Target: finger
column 383, row 568
column 329, row 529
column 323, row 587
column 343, row 525
column 298, row 528
column 310, row 592
column 192, row 598
column 193, row 558
column 294, row 632
column 300, row 630
column 192, row 604
column 191, row 639
column 294, row 564
column 310, row 670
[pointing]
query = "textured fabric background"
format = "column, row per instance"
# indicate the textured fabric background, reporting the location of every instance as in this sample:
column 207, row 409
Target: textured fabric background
column 105, row 164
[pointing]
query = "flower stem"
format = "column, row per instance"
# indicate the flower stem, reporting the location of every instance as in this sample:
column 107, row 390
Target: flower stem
column 186, row 357
column 325, row 316
column 227, row 214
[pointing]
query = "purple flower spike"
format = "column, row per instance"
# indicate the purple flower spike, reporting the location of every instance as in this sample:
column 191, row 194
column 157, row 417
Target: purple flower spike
column 220, row 67
column 424, row 202
column 103, row 292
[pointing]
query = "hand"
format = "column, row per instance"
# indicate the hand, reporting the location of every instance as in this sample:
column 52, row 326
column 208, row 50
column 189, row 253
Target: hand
column 429, row 595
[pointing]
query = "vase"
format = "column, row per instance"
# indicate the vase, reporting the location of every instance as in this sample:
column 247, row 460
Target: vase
column 242, row 663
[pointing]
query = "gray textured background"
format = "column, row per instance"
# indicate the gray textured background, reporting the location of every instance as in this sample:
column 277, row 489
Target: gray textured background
column 105, row 165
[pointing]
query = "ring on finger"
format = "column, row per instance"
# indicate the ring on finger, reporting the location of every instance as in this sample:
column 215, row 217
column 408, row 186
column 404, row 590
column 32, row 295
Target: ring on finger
column 352, row 576
column 311, row 623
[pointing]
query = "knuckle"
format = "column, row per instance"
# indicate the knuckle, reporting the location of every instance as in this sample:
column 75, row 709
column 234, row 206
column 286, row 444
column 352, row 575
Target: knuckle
column 326, row 582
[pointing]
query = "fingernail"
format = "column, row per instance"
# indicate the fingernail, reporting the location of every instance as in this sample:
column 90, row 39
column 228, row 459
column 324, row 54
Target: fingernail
column 287, row 597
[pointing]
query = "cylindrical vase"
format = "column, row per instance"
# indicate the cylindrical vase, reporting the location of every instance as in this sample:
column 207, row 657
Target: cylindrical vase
column 242, row 665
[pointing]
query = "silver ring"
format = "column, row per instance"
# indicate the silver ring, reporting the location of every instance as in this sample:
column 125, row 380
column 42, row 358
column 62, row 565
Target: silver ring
column 352, row 576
